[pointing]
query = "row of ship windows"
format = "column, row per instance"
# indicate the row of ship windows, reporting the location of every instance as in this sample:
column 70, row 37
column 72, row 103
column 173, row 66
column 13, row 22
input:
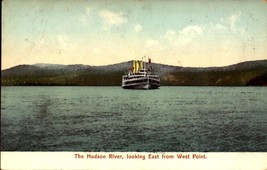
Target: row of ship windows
column 141, row 81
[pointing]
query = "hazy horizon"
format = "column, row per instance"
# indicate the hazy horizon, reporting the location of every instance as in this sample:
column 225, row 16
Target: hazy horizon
column 127, row 61
column 180, row 33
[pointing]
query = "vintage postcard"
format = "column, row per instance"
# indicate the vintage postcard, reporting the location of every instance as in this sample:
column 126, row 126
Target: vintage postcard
column 136, row 84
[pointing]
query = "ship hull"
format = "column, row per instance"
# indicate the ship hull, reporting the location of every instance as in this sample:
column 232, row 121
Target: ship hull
column 141, row 83
column 141, row 87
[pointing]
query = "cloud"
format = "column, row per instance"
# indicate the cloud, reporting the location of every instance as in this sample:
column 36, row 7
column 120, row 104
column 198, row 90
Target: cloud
column 234, row 18
column 63, row 40
column 170, row 34
column 151, row 42
column 112, row 18
column 205, row 40
column 192, row 30
column 88, row 10
column 184, row 36
column 213, row 31
column 137, row 28
column 84, row 18
column 218, row 27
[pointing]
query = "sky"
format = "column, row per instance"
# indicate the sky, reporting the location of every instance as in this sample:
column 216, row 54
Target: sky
column 196, row 33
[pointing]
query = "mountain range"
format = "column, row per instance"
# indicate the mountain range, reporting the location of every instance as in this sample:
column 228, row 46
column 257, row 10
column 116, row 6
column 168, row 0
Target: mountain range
column 250, row 73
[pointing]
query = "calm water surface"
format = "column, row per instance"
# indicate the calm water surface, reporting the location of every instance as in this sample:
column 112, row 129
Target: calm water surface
column 172, row 119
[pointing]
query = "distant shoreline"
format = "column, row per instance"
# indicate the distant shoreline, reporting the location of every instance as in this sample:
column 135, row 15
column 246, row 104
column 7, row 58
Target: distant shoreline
column 252, row 73
column 120, row 86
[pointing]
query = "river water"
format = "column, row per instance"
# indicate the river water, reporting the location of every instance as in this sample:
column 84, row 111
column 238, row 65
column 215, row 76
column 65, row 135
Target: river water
column 170, row 119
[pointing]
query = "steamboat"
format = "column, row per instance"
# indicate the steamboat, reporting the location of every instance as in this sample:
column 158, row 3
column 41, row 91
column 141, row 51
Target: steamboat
column 141, row 76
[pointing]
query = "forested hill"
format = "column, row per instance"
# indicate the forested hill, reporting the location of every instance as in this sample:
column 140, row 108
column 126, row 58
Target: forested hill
column 242, row 74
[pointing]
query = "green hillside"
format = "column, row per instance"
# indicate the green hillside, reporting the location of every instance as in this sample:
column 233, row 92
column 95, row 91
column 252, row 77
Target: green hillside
column 253, row 73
